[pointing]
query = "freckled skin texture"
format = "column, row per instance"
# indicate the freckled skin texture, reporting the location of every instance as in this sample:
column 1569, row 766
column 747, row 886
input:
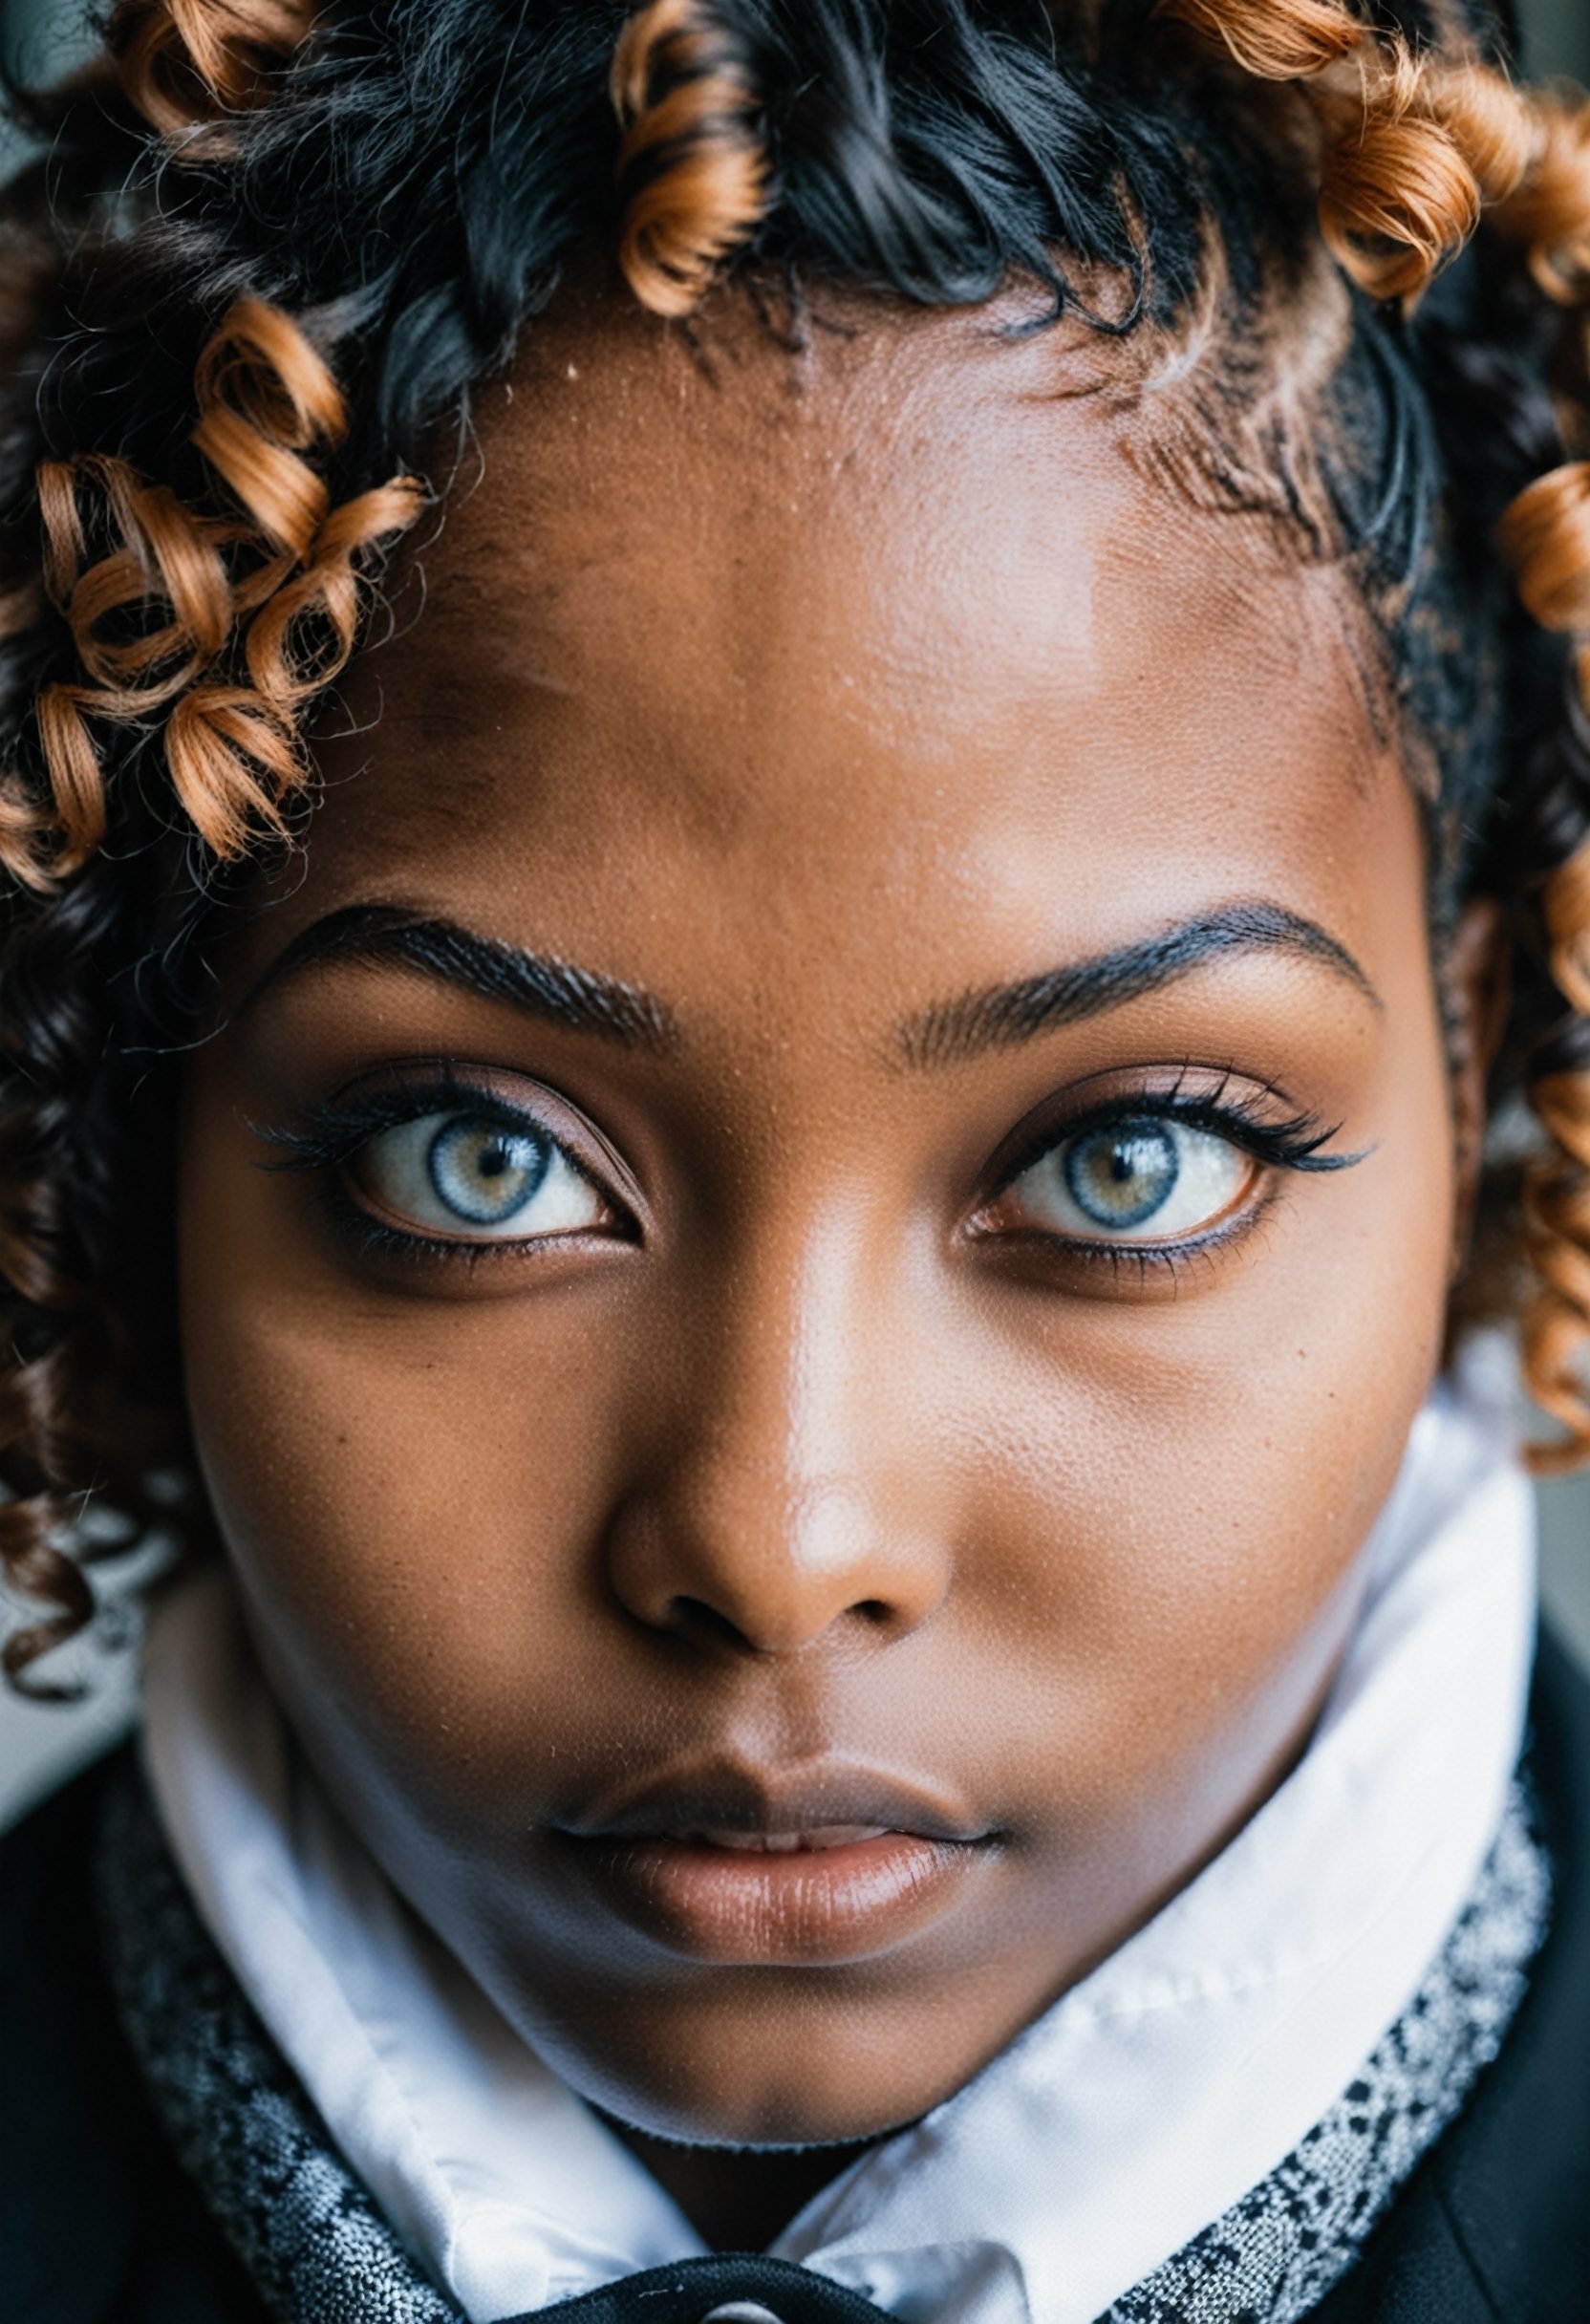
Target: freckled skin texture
column 806, row 693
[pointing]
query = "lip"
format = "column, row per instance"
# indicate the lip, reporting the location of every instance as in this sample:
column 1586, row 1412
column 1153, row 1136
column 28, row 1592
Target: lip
column 726, row 1863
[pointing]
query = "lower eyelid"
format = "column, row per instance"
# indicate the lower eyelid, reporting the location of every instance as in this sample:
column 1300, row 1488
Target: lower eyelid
column 1142, row 1262
column 370, row 1233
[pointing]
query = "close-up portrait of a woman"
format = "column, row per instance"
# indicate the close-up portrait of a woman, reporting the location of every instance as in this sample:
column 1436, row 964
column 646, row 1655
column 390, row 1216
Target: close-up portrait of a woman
column 794, row 1162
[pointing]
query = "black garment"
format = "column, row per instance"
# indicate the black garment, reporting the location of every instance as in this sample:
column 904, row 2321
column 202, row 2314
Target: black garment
column 99, row 2224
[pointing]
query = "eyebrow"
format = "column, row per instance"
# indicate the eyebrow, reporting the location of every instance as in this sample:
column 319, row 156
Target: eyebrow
column 1004, row 1014
column 375, row 935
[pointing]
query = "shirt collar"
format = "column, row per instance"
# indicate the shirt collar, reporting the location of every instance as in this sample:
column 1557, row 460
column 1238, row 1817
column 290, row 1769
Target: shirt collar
column 1150, row 2099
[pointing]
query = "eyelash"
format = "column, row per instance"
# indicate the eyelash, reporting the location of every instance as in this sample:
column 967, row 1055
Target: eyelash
column 1293, row 1144
column 331, row 1134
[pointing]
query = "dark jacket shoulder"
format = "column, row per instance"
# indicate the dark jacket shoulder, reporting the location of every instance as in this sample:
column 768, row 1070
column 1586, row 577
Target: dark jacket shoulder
column 97, row 2223
column 1495, row 2223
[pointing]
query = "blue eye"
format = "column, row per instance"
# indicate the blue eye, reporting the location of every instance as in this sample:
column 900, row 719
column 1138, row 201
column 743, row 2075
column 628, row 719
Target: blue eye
column 1143, row 1178
column 485, row 1175
column 1122, row 1174
column 475, row 1180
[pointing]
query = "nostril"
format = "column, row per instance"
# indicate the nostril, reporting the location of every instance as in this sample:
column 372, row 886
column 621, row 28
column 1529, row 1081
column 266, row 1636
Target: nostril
column 694, row 1614
column 700, row 1619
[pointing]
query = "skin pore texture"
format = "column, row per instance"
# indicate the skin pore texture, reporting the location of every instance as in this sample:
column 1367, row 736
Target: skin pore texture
column 808, row 1465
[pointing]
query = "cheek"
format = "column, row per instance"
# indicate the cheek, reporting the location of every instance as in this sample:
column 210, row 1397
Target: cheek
column 1170, row 1560
column 1184, row 1488
column 406, row 1489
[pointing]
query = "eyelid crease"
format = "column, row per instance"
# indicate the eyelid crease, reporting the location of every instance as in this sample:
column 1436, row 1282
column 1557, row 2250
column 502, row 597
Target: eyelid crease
column 335, row 1131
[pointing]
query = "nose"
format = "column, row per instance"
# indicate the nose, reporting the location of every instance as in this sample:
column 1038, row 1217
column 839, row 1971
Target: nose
column 792, row 1493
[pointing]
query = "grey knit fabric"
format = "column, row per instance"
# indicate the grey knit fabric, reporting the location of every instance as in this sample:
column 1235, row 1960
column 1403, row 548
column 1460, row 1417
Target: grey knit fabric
column 320, row 2252
column 239, row 2118
column 1276, row 2255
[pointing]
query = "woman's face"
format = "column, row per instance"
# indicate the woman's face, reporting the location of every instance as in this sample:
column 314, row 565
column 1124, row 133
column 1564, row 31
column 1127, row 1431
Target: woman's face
column 791, row 1396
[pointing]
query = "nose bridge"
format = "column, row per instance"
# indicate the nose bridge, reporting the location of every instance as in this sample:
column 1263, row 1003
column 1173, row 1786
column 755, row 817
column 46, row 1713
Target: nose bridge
column 784, row 1502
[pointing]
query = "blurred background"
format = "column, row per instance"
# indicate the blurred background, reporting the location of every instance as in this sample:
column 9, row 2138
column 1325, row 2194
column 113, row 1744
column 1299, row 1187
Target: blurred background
column 38, row 1746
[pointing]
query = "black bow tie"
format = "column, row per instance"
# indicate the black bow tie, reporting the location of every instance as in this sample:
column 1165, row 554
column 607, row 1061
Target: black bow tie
column 734, row 2288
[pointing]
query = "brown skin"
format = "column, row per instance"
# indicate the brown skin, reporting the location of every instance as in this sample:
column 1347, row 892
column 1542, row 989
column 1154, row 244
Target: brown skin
column 806, row 696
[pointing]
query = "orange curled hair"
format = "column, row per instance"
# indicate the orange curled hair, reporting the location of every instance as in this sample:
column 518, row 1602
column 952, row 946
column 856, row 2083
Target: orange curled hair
column 1546, row 533
column 1550, row 212
column 1546, row 536
column 1290, row 42
column 186, row 62
column 1413, row 148
column 1400, row 198
column 228, row 620
column 693, row 176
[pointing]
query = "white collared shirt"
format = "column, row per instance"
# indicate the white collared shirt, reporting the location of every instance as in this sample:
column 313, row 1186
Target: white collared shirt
column 1135, row 2111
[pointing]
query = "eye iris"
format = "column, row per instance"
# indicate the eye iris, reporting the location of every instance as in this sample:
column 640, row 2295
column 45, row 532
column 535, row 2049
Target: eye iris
column 1122, row 1174
column 485, row 1174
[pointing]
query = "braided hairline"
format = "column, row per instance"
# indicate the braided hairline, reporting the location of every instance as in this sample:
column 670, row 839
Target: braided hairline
column 225, row 620
column 1412, row 148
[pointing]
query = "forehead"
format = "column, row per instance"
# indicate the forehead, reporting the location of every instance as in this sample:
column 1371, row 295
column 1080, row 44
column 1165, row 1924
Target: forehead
column 721, row 629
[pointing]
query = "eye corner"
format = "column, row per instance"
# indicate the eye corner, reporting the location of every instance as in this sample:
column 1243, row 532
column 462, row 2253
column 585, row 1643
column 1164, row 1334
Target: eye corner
column 446, row 1169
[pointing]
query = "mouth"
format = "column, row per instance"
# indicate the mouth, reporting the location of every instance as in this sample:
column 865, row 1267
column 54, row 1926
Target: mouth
column 782, row 1844
column 727, row 1865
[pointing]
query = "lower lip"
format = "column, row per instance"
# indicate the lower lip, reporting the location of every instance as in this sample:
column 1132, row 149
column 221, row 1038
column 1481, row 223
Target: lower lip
column 817, row 1905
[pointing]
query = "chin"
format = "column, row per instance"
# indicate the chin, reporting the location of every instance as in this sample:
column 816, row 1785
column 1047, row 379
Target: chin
column 783, row 2090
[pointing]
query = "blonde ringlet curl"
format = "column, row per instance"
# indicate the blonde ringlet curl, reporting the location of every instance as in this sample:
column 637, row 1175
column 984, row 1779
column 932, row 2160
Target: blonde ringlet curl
column 219, row 626
column 1556, row 1323
column 1546, row 536
column 693, row 172
column 185, row 64
column 1413, row 148
column 1550, row 211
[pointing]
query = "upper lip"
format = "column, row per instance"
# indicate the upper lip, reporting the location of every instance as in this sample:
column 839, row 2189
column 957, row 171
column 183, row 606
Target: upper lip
column 730, row 1795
